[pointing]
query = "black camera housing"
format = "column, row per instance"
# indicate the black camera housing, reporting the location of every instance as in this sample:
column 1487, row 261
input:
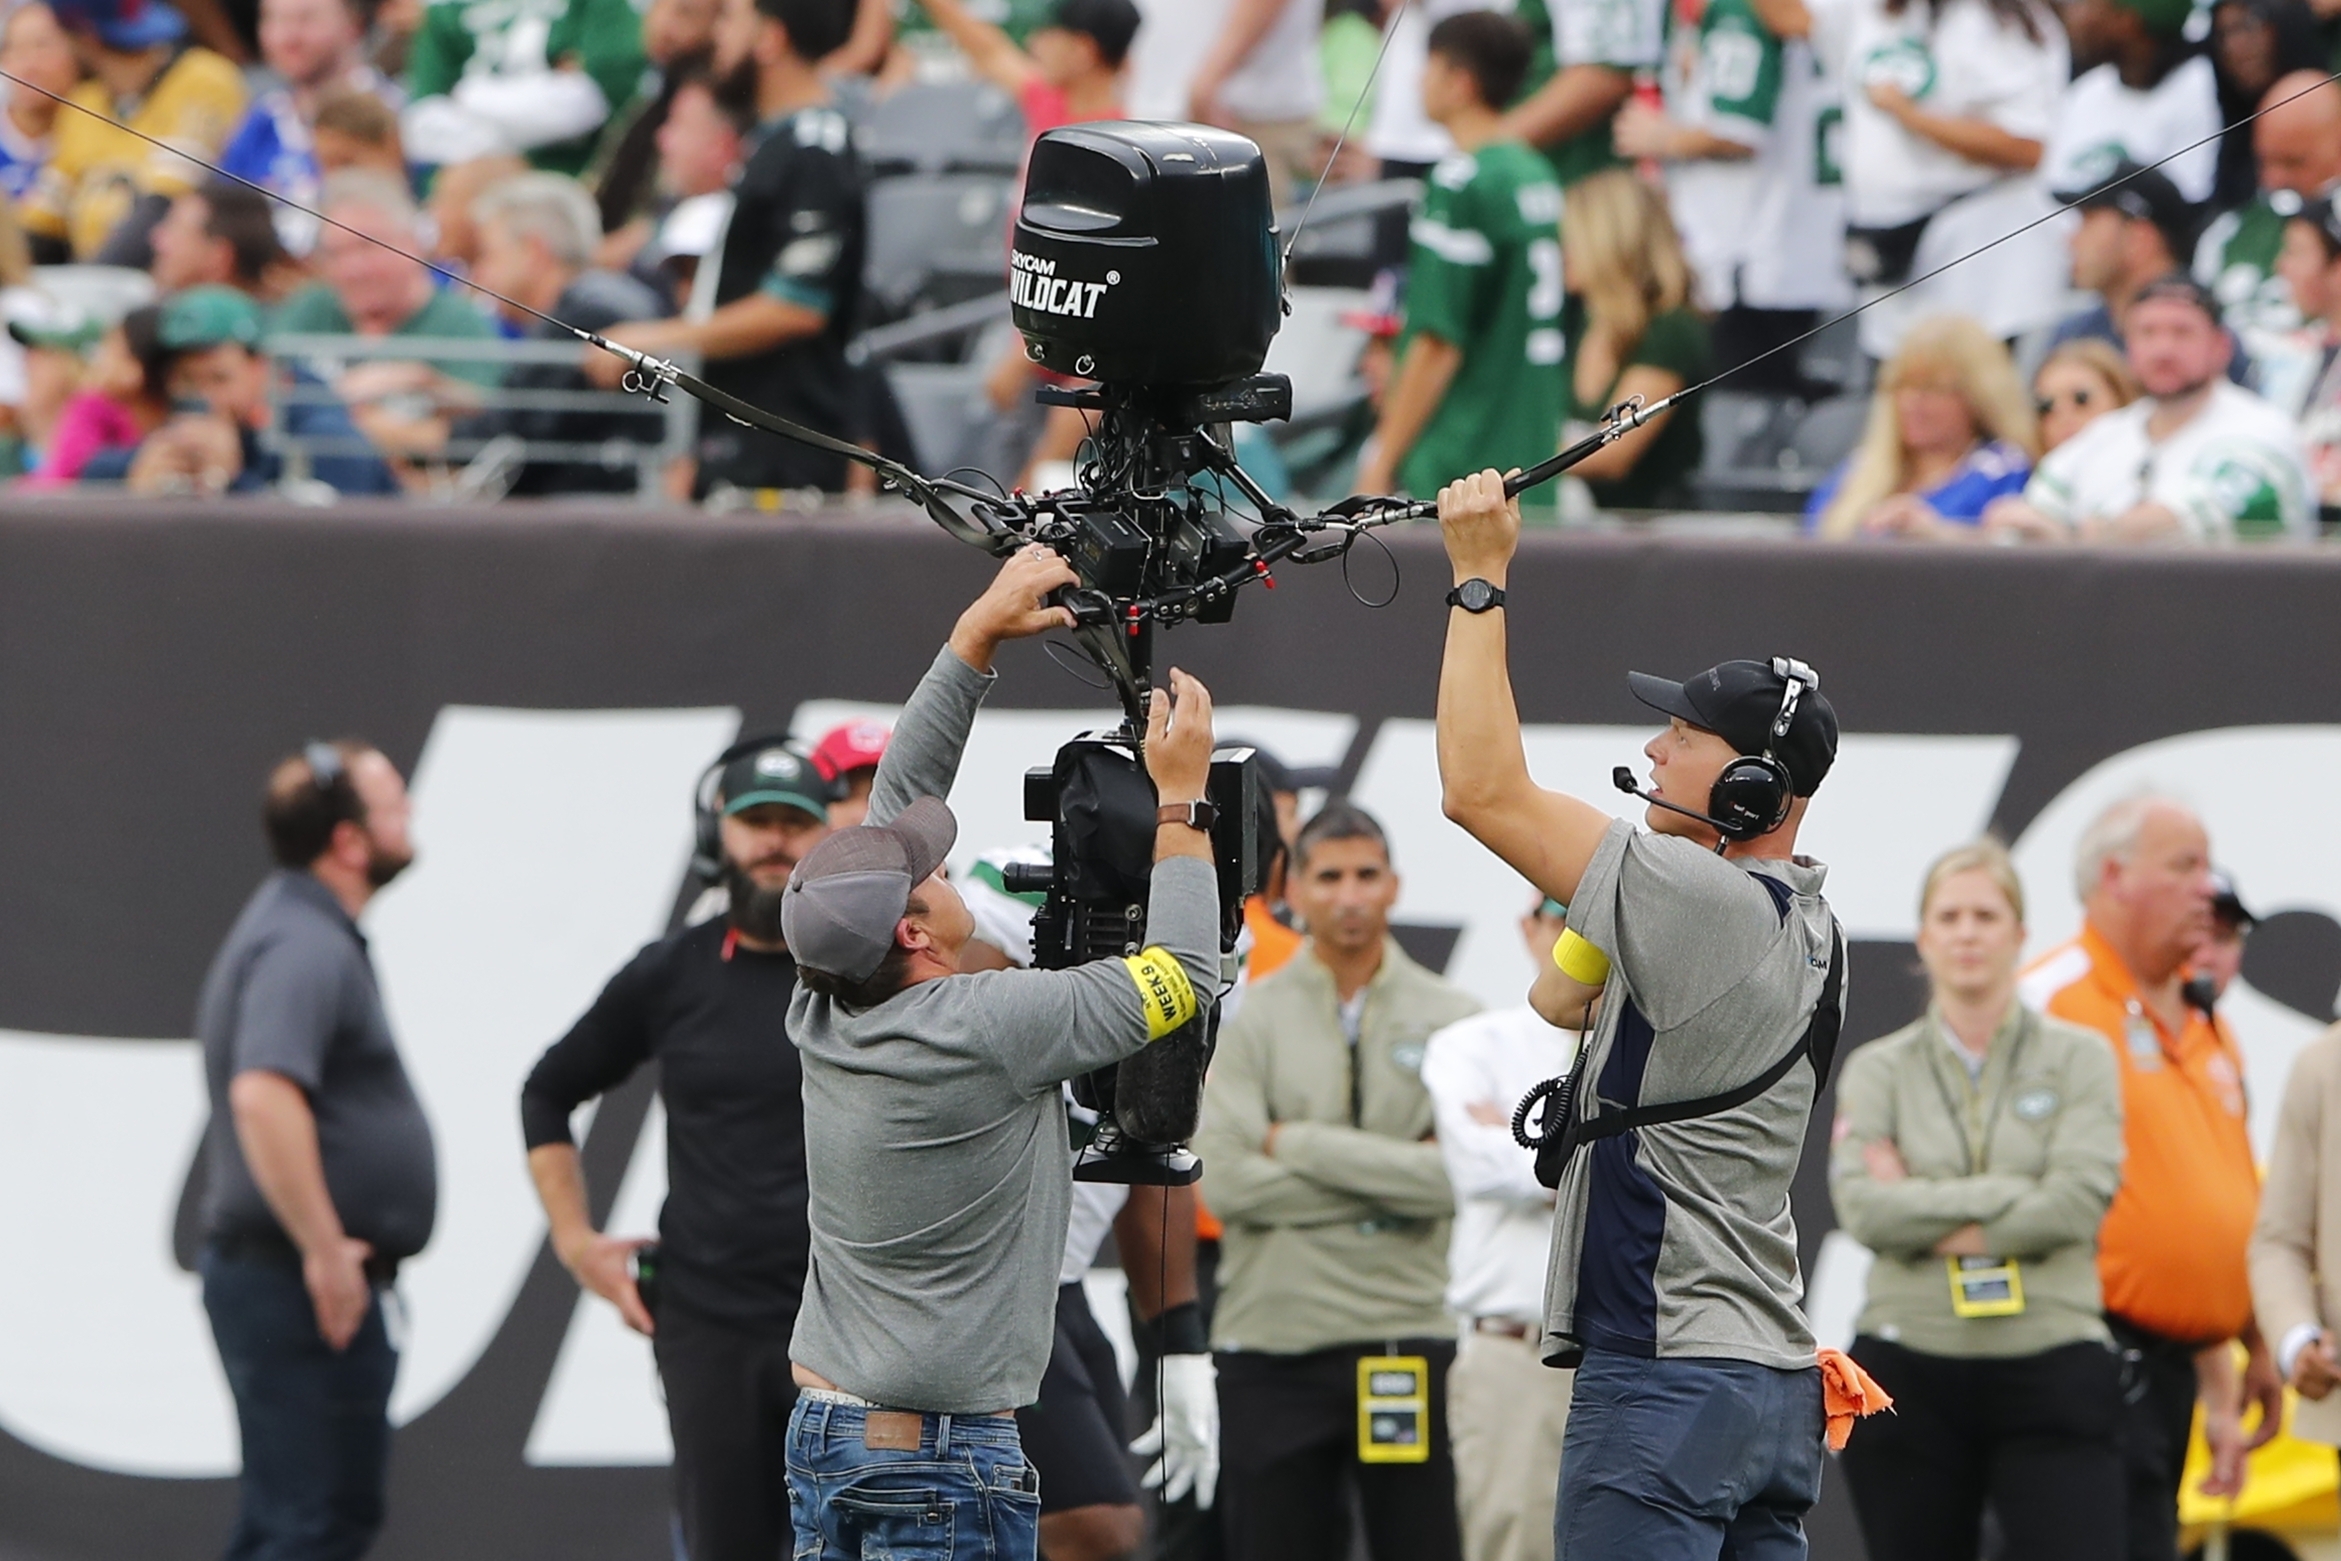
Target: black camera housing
column 1101, row 806
column 1146, row 254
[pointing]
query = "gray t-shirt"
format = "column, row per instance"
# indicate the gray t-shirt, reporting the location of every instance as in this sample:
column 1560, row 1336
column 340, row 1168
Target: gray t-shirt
column 292, row 992
column 935, row 1143
column 1675, row 1240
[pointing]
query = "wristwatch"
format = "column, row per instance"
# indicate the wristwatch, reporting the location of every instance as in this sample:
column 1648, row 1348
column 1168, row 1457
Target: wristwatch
column 1198, row 814
column 1476, row 595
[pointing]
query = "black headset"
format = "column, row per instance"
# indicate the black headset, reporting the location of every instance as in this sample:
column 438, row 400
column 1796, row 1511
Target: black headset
column 707, row 818
column 1753, row 794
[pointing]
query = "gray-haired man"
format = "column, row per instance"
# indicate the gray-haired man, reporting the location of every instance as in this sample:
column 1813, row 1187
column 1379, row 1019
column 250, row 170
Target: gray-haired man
column 935, row 1141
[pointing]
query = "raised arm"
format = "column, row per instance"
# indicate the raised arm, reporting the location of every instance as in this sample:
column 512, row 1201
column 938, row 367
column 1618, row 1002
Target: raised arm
column 1546, row 837
column 922, row 759
column 990, row 52
column 1248, row 22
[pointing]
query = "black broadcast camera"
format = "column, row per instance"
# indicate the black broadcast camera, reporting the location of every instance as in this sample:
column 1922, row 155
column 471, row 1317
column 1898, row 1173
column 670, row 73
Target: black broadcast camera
column 1146, row 261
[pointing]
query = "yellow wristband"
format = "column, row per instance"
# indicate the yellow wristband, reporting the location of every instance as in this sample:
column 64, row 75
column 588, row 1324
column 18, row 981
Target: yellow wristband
column 1163, row 990
column 1580, row 961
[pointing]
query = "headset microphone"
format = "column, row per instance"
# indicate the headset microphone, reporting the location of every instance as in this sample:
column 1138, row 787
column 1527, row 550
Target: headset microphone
column 1623, row 779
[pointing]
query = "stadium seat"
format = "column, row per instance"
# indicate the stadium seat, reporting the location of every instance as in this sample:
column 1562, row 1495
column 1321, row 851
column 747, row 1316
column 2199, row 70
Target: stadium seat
column 1320, row 352
column 950, row 125
column 935, row 239
column 1740, row 429
column 1825, row 436
column 943, row 404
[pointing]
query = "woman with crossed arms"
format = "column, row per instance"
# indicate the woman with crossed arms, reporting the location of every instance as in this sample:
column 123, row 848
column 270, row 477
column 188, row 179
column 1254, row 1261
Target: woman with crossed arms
column 1975, row 1152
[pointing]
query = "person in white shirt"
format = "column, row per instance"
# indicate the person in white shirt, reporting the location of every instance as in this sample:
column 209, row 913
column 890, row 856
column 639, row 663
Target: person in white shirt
column 2143, row 93
column 1754, row 188
column 1260, row 77
column 1506, row 1410
column 1948, row 107
column 2194, row 459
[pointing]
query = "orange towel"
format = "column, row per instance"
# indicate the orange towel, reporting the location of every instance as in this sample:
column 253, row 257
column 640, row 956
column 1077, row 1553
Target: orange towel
column 1848, row 1393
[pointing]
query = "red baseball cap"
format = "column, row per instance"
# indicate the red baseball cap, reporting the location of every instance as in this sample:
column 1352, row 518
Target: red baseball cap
column 856, row 745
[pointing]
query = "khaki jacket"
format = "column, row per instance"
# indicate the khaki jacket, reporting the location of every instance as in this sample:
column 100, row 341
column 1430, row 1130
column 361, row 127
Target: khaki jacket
column 2031, row 1151
column 1342, row 1237
column 2296, row 1245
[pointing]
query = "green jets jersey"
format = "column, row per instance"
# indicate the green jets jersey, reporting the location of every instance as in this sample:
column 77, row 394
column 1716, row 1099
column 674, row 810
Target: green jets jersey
column 1738, row 73
column 475, row 37
column 1626, row 35
column 1485, row 276
column 2237, row 260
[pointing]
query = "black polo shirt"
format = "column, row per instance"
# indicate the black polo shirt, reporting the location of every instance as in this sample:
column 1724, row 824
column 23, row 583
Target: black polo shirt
column 732, row 1236
column 797, row 232
column 292, row 992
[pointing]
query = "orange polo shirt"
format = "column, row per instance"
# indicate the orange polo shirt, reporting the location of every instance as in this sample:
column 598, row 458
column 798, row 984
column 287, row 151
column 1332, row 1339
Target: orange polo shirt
column 2170, row 1254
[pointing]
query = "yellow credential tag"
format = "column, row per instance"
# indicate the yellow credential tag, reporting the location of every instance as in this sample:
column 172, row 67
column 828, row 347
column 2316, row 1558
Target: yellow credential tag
column 1985, row 1287
column 1580, row 961
column 1393, row 1409
column 1164, row 990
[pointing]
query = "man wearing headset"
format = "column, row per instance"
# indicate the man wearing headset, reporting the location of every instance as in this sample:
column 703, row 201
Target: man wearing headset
column 1709, row 973
column 710, row 1004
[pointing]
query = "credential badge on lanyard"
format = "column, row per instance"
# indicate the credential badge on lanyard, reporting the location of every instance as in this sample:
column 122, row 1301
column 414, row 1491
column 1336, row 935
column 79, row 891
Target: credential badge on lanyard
column 1985, row 1287
column 1393, row 1409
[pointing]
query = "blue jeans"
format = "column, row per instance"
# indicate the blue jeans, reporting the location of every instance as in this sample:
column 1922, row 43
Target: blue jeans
column 964, row 1493
column 315, row 1423
column 1666, row 1460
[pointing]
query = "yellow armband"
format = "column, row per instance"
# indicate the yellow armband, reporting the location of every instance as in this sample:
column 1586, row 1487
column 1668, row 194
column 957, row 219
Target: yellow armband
column 1163, row 990
column 1580, row 961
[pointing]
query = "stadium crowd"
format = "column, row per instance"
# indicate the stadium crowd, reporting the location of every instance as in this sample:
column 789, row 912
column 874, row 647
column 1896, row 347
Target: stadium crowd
column 1612, row 199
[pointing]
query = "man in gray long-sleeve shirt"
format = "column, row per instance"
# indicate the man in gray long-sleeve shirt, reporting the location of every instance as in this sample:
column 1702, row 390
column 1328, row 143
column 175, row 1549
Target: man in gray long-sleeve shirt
column 935, row 1141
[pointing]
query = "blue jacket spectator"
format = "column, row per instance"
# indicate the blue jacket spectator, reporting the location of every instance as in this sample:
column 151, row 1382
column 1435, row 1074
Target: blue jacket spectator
column 317, row 48
column 1951, row 429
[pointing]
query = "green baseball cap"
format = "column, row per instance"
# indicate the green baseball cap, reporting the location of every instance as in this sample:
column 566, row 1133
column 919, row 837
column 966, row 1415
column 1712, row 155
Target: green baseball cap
column 775, row 774
column 204, row 317
column 2164, row 18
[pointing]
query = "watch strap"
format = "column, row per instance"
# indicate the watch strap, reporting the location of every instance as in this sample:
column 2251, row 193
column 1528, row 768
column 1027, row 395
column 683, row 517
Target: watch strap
column 1491, row 595
column 1199, row 814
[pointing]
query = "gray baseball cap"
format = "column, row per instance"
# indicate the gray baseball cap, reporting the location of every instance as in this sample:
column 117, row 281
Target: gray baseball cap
column 845, row 897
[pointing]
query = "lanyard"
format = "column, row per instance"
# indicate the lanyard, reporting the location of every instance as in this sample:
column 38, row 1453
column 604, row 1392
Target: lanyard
column 1999, row 1103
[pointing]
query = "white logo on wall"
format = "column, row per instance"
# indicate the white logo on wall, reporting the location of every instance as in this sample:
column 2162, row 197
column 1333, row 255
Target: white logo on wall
column 95, row 1134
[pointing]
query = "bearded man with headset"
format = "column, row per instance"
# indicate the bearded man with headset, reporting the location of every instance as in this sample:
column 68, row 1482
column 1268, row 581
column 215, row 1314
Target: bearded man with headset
column 710, row 1004
column 1710, row 973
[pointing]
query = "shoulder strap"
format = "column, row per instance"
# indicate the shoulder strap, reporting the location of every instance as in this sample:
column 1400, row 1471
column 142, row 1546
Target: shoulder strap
column 1818, row 1042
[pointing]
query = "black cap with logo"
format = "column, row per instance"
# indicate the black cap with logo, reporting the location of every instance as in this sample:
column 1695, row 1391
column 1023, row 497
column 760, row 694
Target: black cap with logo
column 2143, row 195
column 1739, row 701
column 775, row 774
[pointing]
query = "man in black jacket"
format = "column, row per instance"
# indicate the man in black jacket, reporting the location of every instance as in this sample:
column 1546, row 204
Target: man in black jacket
column 710, row 1004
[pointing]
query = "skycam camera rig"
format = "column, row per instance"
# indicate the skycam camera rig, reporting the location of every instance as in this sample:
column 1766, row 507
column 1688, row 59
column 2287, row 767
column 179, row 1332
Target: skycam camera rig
column 1146, row 281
